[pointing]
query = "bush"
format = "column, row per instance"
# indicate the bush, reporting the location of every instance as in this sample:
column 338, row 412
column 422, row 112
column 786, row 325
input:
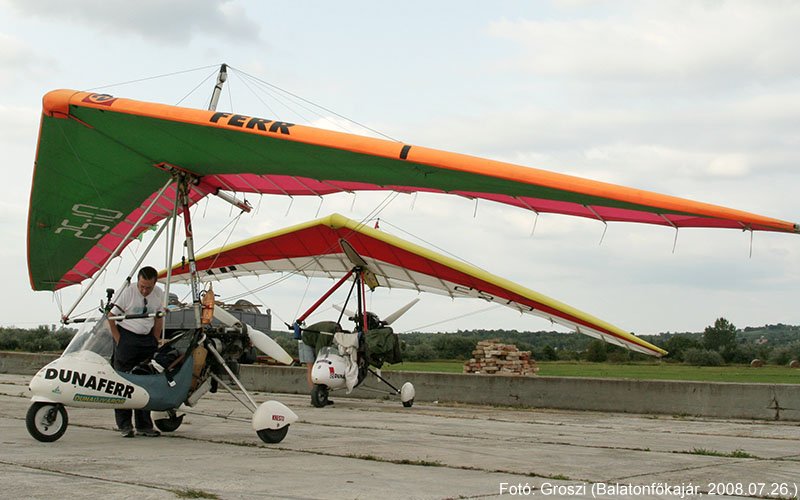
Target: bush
column 619, row 355
column 782, row 355
column 35, row 340
column 546, row 354
column 568, row 355
column 742, row 353
column 596, row 353
column 8, row 341
column 678, row 344
column 702, row 357
column 419, row 352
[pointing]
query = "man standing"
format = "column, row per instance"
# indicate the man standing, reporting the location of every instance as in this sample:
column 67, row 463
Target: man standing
column 135, row 340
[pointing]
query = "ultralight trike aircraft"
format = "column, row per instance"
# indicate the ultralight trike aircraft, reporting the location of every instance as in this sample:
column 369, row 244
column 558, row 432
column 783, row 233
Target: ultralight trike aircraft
column 107, row 169
column 347, row 250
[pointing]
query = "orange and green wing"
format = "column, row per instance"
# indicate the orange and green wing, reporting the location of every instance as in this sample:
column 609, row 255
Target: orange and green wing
column 100, row 159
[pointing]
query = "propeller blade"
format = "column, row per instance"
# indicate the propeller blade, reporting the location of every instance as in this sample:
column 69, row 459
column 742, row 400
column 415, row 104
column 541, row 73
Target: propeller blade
column 348, row 312
column 259, row 339
column 268, row 346
column 393, row 317
column 351, row 253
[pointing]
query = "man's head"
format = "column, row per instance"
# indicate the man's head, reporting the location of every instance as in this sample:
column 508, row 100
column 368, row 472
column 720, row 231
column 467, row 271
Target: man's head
column 146, row 280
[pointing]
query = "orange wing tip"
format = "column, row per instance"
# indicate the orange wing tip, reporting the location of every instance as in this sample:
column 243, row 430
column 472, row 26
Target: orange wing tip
column 56, row 103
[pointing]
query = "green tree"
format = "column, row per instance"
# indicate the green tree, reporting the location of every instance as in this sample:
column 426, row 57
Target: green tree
column 721, row 336
column 548, row 354
column 596, row 352
column 678, row 344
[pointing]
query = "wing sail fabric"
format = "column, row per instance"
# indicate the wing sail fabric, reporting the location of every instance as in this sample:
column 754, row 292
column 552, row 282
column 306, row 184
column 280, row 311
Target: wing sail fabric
column 314, row 249
column 110, row 154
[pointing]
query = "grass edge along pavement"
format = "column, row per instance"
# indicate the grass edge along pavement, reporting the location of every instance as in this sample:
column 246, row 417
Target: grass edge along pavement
column 638, row 371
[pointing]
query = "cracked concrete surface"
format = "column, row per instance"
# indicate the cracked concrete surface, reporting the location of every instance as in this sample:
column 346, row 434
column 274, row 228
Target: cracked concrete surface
column 378, row 449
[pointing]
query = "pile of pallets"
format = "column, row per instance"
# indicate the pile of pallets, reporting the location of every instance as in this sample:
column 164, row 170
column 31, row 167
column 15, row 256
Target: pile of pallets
column 493, row 358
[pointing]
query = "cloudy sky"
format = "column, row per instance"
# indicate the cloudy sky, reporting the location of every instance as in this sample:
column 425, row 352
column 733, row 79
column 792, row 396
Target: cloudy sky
column 697, row 99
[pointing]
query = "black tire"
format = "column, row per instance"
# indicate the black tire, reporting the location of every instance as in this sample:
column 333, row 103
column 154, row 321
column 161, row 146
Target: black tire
column 319, row 396
column 46, row 422
column 408, row 404
column 273, row 436
column 169, row 424
column 249, row 356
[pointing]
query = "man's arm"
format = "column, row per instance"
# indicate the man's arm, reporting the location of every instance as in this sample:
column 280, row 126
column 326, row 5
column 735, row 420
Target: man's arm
column 114, row 331
column 158, row 327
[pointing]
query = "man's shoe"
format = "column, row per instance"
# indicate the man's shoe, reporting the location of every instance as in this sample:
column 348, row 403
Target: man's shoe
column 127, row 433
column 149, row 433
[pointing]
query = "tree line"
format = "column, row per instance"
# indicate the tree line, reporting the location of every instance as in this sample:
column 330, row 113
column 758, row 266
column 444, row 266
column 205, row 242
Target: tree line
column 718, row 344
column 39, row 339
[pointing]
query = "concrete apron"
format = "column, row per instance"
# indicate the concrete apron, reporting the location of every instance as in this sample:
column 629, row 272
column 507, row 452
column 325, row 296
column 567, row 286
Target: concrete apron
column 706, row 399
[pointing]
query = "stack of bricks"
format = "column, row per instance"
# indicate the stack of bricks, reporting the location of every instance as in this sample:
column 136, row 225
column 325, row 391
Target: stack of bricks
column 493, row 358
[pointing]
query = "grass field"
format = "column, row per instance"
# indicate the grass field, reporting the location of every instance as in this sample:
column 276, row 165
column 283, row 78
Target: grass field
column 643, row 371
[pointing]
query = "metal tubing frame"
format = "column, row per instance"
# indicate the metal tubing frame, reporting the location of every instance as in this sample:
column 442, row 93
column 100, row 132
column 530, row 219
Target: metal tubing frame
column 395, row 389
column 171, row 250
column 363, row 302
column 183, row 192
column 158, row 314
column 229, row 389
column 219, row 358
column 324, row 297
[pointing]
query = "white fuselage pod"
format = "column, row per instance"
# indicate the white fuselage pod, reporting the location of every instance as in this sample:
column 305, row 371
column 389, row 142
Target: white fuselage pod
column 86, row 379
column 329, row 369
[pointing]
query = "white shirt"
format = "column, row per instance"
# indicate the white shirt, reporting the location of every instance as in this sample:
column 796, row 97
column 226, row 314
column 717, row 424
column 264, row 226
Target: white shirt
column 130, row 301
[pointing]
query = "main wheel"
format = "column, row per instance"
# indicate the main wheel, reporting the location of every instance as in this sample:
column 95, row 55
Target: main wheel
column 273, row 435
column 319, row 395
column 408, row 404
column 171, row 423
column 46, row 422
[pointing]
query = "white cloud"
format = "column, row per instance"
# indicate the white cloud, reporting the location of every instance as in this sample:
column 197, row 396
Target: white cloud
column 20, row 61
column 175, row 21
column 730, row 165
column 662, row 42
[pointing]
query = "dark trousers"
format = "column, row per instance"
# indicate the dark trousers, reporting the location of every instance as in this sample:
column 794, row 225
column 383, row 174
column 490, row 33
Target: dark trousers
column 131, row 350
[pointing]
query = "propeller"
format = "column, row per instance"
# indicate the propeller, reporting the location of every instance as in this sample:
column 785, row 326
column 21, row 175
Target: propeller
column 348, row 312
column 259, row 339
column 395, row 315
column 367, row 274
column 389, row 319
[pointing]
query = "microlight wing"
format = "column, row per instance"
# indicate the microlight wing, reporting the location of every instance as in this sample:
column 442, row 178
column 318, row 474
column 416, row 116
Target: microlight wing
column 314, row 249
column 101, row 159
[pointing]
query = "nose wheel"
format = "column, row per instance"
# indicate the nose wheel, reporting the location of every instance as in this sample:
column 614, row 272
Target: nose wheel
column 171, row 423
column 319, row 395
column 46, row 422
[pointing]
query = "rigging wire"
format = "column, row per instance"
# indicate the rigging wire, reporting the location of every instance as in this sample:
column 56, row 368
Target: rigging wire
column 300, row 270
column 272, row 111
column 230, row 94
column 485, row 309
column 457, row 257
column 280, row 100
column 313, row 104
column 235, row 222
column 151, row 78
column 300, row 302
column 196, row 87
